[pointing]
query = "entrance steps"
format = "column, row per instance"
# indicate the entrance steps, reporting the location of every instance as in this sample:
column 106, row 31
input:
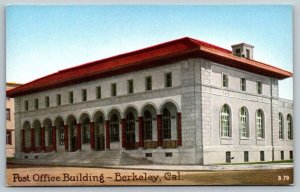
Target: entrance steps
column 86, row 158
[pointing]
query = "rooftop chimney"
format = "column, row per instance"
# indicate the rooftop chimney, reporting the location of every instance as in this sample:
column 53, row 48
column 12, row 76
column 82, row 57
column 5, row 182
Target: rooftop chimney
column 243, row 50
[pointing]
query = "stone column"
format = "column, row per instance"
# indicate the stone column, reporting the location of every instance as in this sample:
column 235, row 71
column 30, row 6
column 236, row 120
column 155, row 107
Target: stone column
column 32, row 139
column 141, row 132
column 92, row 130
column 107, row 135
column 66, row 140
column 54, row 138
column 179, row 132
column 123, row 129
column 23, row 140
column 159, row 130
column 43, row 138
column 78, row 136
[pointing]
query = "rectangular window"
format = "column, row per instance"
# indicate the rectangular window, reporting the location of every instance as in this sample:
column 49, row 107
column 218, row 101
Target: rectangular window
column 130, row 86
column 71, row 97
column 83, row 95
column 26, row 105
column 148, row 83
column 113, row 89
column 98, row 92
column 8, row 137
column 228, row 157
column 47, row 101
column 36, row 103
column 291, row 155
column 246, row 156
column 243, row 84
column 168, row 80
column 148, row 154
column 282, row 155
column 224, row 80
column 262, row 156
column 168, row 154
column 8, row 114
column 58, row 99
column 259, row 87
column 238, row 51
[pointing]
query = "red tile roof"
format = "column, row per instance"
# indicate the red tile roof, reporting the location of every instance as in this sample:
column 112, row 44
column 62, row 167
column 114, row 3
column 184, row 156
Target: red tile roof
column 145, row 58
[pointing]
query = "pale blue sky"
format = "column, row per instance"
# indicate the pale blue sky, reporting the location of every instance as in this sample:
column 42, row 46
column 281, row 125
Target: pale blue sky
column 44, row 39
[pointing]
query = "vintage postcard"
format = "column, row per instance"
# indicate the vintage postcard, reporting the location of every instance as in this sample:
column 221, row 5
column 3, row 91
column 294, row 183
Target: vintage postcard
column 149, row 95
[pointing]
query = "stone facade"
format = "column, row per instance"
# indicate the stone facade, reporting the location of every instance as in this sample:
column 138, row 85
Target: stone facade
column 196, row 112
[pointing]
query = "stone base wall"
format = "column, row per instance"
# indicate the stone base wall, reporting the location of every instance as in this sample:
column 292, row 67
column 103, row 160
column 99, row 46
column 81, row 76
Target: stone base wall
column 287, row 150
column 217, row 154
column 178, row 156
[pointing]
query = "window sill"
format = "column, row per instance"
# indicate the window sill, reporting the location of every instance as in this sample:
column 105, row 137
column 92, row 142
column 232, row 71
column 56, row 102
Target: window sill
column 245, row 138
column 226, row 141
column 226, row 138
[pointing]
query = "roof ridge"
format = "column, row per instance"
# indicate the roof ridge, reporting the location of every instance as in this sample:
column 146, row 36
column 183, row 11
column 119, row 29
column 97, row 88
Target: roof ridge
column 205, row 44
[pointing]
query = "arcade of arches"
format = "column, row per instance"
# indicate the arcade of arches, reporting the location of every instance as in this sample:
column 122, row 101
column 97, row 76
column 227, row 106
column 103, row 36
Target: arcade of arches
column 151, row 129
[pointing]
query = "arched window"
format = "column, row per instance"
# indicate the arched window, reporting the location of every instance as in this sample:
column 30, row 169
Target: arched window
column 147, row 125
column 130, row 123
column 99, row 126
column 130, row 131
column 114, row 128
column 281, row 128
column 99, row 120
column 225, row 121
column 244, row 126
column 260, row 124
column 27, row 134
column 166, row 122
column 86, row 131
column 37, row 133
column 73, row 128
column 289, row 120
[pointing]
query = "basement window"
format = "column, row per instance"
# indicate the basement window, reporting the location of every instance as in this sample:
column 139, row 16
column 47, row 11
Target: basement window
column 169, row 154
column 148, row 154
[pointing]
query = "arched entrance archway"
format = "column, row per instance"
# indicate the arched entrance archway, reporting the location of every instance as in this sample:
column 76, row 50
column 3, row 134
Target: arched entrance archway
column 71, row 122
column 99, row 131
column 131, row 128
column 60, row 133
column 170, row 132
column 26, row 137
column 149, row 113
column 37, row 136
column 48, row 135
column 114, row 129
